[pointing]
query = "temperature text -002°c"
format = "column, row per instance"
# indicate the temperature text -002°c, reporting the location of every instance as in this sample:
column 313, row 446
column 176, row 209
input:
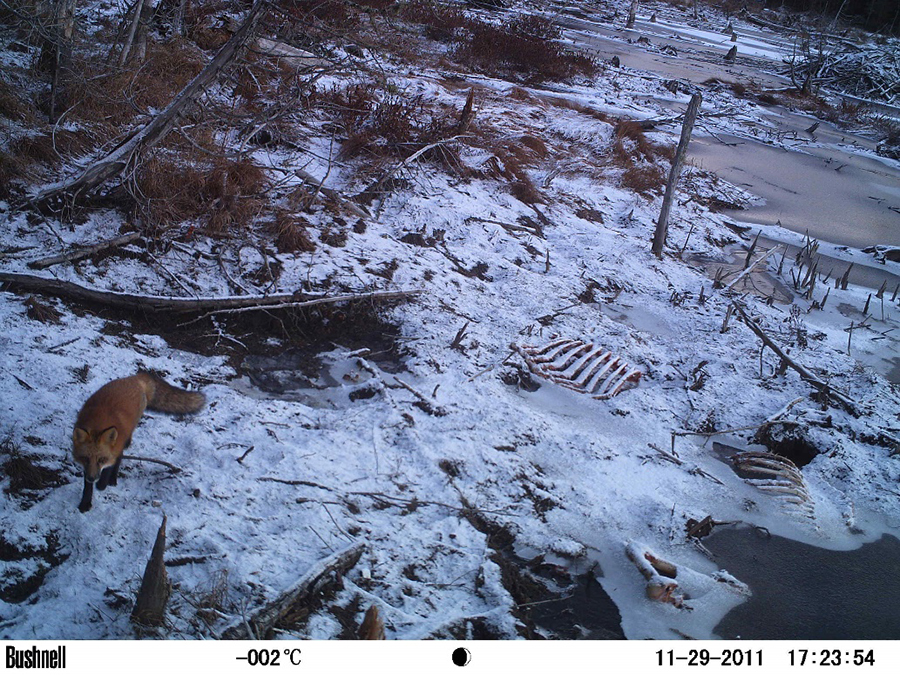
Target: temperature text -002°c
column 271, row 657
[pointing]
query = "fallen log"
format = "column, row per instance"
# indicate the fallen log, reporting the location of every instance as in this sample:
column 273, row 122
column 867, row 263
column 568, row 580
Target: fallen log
column 86, row 252
column 826, row 389
column 157, row 304
column 260, row 622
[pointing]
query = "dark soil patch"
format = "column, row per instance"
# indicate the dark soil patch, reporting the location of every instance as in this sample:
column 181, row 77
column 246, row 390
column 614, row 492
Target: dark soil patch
column 28, row 479
column 19, row 582
column 788, row 441
column 305, row 333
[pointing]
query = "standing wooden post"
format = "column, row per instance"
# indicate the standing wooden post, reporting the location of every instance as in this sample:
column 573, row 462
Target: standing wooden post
column 662, row 226
column 632, row 12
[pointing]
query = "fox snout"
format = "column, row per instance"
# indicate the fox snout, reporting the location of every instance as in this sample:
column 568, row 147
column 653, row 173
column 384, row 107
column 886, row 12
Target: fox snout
column 94, row 454
column 93, row 467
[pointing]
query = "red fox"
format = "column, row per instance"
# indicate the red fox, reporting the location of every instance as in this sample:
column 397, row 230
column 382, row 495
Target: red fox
column 108, row 418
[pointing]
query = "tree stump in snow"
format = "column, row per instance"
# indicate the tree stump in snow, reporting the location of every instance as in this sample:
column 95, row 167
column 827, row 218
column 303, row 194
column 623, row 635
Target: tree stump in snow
column 150, row 607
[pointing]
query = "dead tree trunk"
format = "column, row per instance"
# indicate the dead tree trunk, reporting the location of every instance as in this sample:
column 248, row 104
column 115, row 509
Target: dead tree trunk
column 140, row 47
column 64, row 33
column 150, row 607
column 123, row 155
column 132, row 31
column 826, row 389
column 632, row 13
column 662, row 225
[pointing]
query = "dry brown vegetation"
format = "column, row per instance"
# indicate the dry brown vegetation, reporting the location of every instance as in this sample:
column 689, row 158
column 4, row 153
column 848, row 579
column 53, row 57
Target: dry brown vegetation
column 638, row 155
column 188, row 179
column 222, row 195
column 526, row 45
column 376, row 124
column 292, row 233
column 13, row 106
column 113, row 98
column 10, row 168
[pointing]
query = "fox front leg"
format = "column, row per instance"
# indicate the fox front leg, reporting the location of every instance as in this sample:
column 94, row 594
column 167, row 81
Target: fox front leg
column 86, row 496
column 109, row 475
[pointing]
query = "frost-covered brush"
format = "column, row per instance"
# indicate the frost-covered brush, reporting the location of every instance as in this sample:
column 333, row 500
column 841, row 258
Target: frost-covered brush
column 782, row 478
column 580, row 366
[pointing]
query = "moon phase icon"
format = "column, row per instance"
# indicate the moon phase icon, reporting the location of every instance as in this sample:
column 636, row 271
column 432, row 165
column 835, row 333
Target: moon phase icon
column 461, row 656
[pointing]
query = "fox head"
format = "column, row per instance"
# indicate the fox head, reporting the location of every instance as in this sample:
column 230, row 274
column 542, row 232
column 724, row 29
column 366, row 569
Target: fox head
column 94, row 450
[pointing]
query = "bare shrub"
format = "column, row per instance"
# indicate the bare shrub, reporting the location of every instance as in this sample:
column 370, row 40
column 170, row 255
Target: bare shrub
column 321, row 17
column 527, row 45
column 210, row 601
column 441, row 21
column 392, row 125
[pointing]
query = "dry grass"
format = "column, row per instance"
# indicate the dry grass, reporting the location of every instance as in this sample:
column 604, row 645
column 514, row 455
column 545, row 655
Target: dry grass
column 630, row 140
column 10, row 169
column 510, row 161
column 202, row 25
column 639, row 156
column 644, row 178
column 525, row 45
column 292, row 233
column 221, row 195
column 37, row 148
column 568, row 104
column 13, row 107
column 321, row 18
column 386, row 124
column 114, row 98
column 441, row 21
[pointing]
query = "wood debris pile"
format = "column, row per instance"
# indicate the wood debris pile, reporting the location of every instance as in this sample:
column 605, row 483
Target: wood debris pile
column 870, row 71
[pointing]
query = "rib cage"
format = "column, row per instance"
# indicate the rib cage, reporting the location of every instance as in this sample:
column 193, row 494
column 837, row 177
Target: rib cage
column 780, row 477
column 580, row 366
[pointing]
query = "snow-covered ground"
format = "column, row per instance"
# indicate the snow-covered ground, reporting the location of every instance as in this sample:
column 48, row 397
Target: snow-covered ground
column 271, row 484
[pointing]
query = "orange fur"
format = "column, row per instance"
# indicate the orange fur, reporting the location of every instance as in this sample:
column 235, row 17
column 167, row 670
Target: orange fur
column 108, row 418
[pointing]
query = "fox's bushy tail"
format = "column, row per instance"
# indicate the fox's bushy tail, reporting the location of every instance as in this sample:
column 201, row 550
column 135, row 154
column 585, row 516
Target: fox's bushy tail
column 163, row 397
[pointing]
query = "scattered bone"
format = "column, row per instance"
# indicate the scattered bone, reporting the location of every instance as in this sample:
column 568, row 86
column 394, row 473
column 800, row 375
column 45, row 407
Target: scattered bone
column 658, row 573
column 780, row 477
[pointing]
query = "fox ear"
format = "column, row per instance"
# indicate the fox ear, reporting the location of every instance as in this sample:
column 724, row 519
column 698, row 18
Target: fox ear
column 109, row 436
column 79, row 435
